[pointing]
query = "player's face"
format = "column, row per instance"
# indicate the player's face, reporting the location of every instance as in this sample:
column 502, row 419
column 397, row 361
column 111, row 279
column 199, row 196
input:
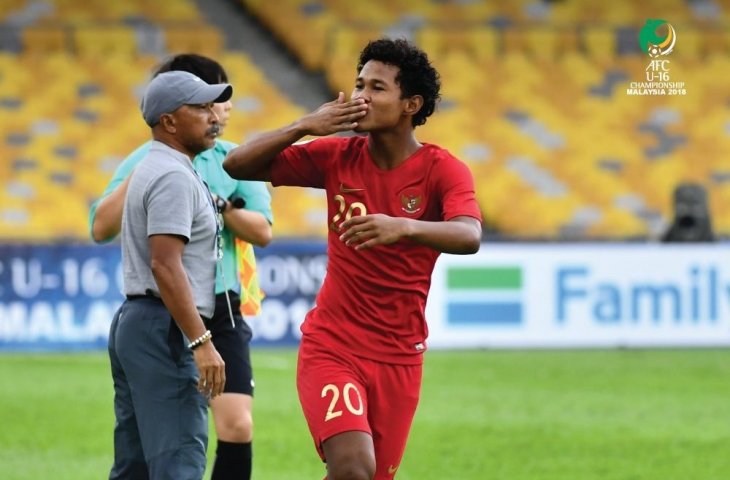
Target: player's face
column 196, row 127
column 223, row 110
column 377, row 86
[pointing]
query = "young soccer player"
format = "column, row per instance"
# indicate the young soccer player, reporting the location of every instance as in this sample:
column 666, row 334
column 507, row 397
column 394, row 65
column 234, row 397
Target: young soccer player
column 394, row 204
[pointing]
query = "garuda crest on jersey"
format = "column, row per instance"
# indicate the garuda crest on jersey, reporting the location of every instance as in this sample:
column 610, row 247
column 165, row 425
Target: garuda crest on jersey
column 411, row 201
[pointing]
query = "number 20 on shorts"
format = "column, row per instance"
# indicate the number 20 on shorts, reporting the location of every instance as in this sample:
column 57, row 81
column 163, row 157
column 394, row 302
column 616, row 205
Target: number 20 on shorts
column 346, row 395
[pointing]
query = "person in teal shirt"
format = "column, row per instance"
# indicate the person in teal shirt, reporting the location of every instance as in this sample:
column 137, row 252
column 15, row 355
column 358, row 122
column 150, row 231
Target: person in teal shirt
column 208, row 165
column 242, row 228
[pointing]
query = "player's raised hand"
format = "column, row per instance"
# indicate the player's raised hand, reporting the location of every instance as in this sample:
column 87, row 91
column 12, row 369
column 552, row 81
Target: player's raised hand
column 335, row 116
column 366, row 231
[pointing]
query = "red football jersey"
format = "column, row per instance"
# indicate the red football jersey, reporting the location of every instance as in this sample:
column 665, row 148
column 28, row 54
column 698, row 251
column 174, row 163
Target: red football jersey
column 372, row 301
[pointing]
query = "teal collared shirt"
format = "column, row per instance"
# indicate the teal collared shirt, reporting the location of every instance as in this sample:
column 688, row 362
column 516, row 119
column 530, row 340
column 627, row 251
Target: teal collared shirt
column 209, row 165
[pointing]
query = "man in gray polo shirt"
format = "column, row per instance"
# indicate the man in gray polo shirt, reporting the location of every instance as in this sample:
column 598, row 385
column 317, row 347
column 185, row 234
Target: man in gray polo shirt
column 163, row 359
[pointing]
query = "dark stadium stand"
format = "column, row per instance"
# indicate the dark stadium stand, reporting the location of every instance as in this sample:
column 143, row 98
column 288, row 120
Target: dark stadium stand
column 534, row 100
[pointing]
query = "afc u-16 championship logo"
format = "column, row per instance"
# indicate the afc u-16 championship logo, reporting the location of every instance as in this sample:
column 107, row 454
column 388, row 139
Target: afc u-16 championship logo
column 657, row 39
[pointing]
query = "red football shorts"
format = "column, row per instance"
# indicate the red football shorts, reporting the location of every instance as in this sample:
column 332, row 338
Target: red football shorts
column 342, row 393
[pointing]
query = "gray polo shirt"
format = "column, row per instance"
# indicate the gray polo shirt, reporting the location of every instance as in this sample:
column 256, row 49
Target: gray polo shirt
column 166, row 196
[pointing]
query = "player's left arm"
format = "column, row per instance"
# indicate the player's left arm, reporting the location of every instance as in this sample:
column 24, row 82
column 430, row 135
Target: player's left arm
column 252, row 223
column 459, row 235
column 247, row 225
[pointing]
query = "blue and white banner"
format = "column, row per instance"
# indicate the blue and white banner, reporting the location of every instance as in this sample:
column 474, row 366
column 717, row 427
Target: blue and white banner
column 58, row 297
column 290, row 274
column 582, row 295
column 63, row 297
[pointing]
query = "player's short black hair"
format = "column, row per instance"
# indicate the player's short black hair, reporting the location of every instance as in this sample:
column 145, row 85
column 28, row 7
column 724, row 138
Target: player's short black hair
column 416, row 75
column 206, row 68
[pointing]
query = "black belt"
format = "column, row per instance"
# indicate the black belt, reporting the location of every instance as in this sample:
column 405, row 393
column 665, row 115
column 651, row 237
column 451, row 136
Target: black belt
column 149, row 295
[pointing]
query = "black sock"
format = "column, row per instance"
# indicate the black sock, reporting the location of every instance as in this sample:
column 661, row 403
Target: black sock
column 232, row 461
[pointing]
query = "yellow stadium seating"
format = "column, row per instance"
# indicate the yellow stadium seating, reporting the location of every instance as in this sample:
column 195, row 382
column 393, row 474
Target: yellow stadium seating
column 479, row 43
column 73, row 160
column 100, row 41
column 44, row 40
column 194, row 38
column 534, row 100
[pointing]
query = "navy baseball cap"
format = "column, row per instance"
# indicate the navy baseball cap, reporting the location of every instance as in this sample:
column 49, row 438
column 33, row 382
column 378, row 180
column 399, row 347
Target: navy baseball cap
column 171, row 90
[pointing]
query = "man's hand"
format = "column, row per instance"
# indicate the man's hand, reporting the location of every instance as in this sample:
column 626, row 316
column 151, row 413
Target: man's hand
column 366, row 231
column 211, row 368
column 335, row 116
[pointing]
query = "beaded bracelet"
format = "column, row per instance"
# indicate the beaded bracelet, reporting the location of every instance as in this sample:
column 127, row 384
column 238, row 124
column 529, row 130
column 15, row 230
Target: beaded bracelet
column 200, row 340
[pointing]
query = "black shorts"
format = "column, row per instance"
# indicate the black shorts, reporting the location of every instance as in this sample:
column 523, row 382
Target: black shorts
column 232, row 343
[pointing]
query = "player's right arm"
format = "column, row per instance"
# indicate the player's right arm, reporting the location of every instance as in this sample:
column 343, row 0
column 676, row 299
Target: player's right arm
column 105, row 215
column 107, row 221
column 252, row 160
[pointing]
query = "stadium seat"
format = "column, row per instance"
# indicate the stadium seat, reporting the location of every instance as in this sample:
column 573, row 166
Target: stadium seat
column 299, row 212
column 600, row 43
column 195, row 38
column 105, row 41
column 480, row 43
column 43, row 40
column 542, row 43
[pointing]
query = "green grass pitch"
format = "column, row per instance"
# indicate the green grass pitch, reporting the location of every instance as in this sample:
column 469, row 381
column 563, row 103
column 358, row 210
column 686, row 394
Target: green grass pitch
column 512, row 415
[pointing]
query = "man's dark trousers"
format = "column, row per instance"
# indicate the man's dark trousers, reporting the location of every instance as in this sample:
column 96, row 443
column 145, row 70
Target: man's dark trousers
column 161, row 429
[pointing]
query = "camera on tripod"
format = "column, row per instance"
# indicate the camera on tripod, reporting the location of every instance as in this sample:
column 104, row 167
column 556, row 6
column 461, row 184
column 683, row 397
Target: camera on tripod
column 692, row 222
column 236, row 202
